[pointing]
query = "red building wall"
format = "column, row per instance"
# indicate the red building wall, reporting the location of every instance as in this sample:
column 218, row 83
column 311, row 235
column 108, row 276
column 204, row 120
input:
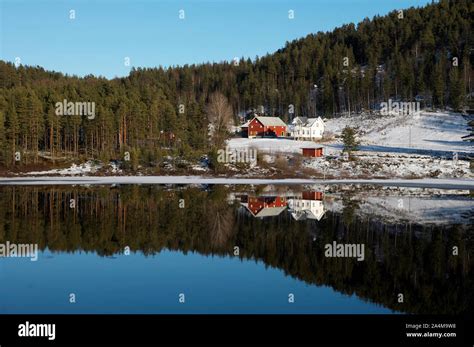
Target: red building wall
column 256, row 204
column 257, row 129
column 313, row 152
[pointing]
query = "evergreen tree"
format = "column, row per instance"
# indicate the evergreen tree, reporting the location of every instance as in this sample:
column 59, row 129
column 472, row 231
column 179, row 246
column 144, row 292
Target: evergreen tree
column 349, row 140
column 456, row 89
column 387, row 57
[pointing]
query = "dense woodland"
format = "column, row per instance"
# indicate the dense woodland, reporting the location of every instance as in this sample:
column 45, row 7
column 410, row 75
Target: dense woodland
column 422, row 54
column 404, row 258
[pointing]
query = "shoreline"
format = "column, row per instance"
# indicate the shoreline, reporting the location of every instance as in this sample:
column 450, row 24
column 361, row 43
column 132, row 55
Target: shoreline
column 454, row 183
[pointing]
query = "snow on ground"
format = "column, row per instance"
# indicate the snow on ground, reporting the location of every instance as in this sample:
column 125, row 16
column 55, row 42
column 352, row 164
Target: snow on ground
column 270, row 145
column 425, row 182
column 86, row 168
column 427, row 132
column 379, row 164
column 439, row 131
column 424, row 208
column 198, row 168
column 391, row 146
column 433, row 210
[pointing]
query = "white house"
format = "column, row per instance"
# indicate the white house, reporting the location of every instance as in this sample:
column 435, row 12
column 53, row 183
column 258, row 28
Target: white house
column 306, row 209
column 302, row 128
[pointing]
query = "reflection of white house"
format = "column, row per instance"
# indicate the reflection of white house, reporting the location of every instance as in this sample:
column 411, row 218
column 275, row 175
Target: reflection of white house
column 302, row 128
column 306, row 209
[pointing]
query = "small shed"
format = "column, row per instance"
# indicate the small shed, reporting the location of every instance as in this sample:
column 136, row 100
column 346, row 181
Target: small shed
column 312, row 151
column 244, row 129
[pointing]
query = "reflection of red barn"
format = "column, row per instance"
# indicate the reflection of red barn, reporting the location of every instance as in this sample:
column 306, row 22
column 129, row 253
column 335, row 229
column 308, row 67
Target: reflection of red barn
column 312, row 195
column 264, row 206
column 313, row 152
column 266, row 126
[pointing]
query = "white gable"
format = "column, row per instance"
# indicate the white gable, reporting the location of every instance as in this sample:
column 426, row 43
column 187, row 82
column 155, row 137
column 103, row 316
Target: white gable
column 306, row 209
column 299, row 120
column 311, row 128
column 314, row 122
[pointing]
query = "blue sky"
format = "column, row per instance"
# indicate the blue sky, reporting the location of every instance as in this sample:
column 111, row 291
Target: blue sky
column 150, row 33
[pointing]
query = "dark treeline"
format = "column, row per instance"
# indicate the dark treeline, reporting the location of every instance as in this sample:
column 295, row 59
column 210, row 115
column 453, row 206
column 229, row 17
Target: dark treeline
column 420, row 53
column 399, row 258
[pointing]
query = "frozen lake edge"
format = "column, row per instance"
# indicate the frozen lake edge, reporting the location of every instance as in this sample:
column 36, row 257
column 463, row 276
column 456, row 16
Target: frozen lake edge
column 109, row 180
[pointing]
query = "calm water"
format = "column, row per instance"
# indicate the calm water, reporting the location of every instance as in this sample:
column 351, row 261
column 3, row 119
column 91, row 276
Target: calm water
column 235, row 250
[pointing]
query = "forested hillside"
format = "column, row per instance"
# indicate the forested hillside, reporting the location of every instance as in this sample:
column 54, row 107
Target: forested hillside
column 418, row 53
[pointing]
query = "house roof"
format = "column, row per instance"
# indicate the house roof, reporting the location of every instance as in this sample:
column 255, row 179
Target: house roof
column 266, row 211
column 307, row 214
column 312, row 121
column 299, row 120
column 271, row 121
column 307, row 122
column 270, row 211
column 246, row 124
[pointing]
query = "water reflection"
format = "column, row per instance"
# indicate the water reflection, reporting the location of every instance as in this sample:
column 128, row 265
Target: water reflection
column 264, row 206
column 285, row 228
column 303, row 205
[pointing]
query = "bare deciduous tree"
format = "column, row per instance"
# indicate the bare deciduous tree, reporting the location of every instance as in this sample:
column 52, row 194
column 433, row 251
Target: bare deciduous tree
column 220, row 117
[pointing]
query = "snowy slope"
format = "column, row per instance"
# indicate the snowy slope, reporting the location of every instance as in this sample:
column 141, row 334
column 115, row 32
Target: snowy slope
column 270, row 145
column 430, row 131
column 421, row 209
column 440, row 131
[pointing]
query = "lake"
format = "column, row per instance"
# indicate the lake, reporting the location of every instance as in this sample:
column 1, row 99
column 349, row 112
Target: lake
column 237, row 249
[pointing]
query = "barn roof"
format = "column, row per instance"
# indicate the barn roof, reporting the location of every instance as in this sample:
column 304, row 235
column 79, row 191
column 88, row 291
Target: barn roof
column 271, row 121
column 266, row 211
column 270, row 211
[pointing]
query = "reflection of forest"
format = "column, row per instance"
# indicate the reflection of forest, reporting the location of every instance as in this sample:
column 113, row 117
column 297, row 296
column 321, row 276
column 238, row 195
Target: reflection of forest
column 410, row 259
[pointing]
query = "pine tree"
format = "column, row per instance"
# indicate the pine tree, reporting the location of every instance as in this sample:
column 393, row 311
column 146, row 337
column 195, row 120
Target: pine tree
column 349, row 140
column 438, row 86
column 387, row 58
column 456, row 88
column 12, row 131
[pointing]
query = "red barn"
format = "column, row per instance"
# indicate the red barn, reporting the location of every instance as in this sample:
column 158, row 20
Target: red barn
column 266, row 126
column 313, row 152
